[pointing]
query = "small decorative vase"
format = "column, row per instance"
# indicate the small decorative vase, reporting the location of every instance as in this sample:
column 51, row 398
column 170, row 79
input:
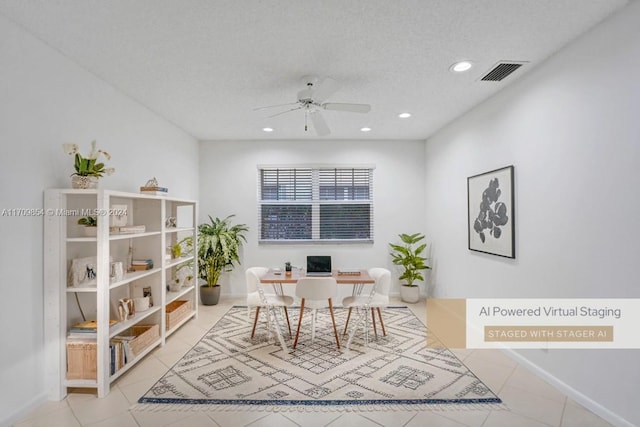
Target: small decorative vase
column 84, row 182
column 175, row 285
column 90, row 231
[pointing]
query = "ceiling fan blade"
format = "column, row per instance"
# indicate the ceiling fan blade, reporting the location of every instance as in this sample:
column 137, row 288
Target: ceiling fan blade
column 284, row 112
column 319, row 124
column 353, row 108
column 273, row 106
column 325, row 89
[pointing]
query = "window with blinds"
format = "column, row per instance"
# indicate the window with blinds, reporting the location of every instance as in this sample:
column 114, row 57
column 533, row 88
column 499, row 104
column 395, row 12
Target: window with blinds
column 307, row 203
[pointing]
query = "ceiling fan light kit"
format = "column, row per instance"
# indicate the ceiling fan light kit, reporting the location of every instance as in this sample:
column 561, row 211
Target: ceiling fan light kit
column 311, row 100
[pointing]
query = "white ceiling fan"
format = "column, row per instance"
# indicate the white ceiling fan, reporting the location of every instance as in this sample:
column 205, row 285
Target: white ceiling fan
column 311, row 100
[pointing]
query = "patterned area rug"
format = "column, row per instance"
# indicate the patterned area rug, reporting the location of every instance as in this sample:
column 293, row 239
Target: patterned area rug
column 227, row 370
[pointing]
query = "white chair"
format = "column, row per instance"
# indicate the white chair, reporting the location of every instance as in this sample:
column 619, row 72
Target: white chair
column 256, row 297
column 316, row 293
column 378, row 298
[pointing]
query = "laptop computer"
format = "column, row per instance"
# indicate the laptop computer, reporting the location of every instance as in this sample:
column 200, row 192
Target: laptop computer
column 318, row 265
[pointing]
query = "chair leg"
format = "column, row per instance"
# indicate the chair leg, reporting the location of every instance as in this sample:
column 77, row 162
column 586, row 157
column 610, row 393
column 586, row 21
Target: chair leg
column 255, row 321
column 286, row 313
column 313, row 324
column 373, row 319
column 347, row 323
column 381, row 322
column 333, row 320
column 295, row 342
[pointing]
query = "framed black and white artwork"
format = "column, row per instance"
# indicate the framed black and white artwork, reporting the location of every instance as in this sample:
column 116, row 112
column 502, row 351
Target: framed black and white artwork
column 491, row 216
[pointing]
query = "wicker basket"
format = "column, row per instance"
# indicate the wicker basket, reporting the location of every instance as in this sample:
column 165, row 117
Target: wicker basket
column 145, row 335
column 81, row 360
column 176, row 312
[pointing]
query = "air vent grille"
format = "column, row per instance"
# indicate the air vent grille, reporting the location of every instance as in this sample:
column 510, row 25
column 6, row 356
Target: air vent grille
column 501, row 71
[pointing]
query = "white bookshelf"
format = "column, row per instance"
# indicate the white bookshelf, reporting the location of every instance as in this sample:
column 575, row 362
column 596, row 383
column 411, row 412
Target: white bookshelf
column 97, row 298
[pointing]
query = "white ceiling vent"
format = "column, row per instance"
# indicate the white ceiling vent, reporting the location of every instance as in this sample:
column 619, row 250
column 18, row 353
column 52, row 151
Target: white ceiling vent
column 502, row 70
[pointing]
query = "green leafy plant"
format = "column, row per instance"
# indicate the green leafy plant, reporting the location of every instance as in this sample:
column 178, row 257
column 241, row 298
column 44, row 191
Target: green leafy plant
column 176, row 250
column 410, row 257
column 89, row 221
column 88, row 166
column 219, row 243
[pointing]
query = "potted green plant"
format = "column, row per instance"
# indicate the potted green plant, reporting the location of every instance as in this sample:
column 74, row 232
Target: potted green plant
column 218, row 250
column 88, row 169
column 90, row 225
column 412, row 261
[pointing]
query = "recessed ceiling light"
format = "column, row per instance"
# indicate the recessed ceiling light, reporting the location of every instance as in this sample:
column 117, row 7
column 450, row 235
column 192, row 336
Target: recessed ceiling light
column 267, row 129
column 404, row 115
column 461, row 66
column 365, row 129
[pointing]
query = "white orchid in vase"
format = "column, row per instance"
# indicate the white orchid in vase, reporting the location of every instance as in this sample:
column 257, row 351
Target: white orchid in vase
column 88, row 169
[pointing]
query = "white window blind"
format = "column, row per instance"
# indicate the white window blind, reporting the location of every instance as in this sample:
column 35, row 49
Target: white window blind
column 302, row 204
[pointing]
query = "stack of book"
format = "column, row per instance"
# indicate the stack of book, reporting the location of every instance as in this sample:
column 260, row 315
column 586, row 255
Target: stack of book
column 156, row 191
column 86, row 330
column 142, row 264
column 132, row 229
column 120, row 352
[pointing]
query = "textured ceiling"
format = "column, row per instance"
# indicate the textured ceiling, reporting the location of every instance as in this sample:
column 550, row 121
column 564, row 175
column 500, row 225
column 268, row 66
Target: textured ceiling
column 205, row 64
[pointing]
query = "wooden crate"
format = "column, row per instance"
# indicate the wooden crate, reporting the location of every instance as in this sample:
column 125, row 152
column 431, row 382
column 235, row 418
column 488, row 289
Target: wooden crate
column 176, row 311
column 82, row 361
column 145, row 335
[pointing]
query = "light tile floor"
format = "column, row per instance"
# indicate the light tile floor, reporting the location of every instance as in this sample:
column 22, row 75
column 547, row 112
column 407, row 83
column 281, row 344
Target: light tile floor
column 531, row 401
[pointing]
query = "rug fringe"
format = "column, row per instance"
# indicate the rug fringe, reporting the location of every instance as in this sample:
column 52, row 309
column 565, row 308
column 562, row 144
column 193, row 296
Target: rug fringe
column 440, row 407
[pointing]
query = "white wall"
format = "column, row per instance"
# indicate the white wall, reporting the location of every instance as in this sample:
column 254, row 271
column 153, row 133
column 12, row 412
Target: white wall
column 228, row 185
column 571, row 128
column 46, row 100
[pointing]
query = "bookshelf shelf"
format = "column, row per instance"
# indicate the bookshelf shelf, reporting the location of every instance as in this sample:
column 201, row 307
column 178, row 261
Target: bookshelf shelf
column 103, row 292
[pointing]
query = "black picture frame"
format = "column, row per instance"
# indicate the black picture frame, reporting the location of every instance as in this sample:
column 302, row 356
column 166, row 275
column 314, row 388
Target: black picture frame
column 491, row 212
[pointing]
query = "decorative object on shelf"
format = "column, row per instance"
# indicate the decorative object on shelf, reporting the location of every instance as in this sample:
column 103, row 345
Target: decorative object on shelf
column 141, row 304
column 152, row 188
column 119, row 215
column 125, row 308
column 188, row 281
column 490, row 197
column 171, row 222
column 176, row 250
column 146, row 292
column 130, row 257
column 117, row 271
column 175, row 284
column 82, row 272
column 412, row 261
column 219, row 243
column 88, row 170
column 90, row 225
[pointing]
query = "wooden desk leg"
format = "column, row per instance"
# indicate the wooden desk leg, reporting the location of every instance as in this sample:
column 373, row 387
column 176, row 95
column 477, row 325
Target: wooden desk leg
column 295, row 342
column 255, row 321
column 347, row 323
column 333, row 320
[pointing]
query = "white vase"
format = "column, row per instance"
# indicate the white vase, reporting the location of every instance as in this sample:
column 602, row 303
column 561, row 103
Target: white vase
column 90, row 231
column 410, row 294
column 84, row 182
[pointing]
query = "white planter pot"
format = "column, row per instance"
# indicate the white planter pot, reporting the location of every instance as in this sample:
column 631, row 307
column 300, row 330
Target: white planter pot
column 410, row 294
column 90, row 231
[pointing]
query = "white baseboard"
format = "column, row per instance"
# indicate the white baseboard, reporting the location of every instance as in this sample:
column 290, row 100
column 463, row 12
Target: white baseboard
column 574, row 394
column 23, row 411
